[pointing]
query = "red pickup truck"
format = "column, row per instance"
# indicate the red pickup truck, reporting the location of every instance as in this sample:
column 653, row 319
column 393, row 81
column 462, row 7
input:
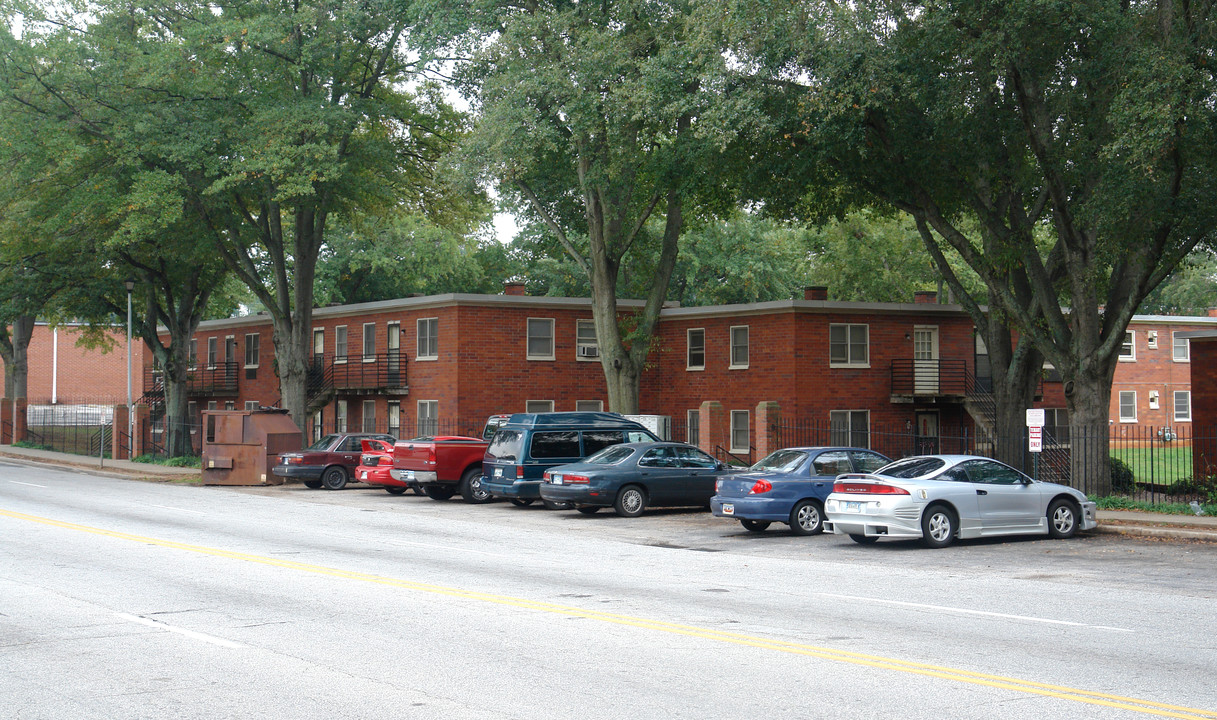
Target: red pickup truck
column 444, row 465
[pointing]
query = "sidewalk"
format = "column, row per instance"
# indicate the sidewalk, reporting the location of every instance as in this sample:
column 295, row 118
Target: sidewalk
column 125, row 468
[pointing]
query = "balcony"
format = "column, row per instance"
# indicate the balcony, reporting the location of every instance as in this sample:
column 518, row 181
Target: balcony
column 380, row 373
column 929, row 381
column 220, row 379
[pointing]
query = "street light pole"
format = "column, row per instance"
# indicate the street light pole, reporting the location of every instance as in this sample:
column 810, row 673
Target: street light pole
column 130, row 408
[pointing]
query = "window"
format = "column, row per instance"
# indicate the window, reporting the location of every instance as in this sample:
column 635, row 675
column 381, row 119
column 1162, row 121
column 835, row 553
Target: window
column 211, row 353
column 868, row 461
column 1183, row 406
column 660, row 457
column 230, row 405
column 831, row 463
column 369, row 416
column 539, row 406
column 317, row 427
column 1181, row 348
column 252, row 349
column 340, row 416
column 428, row 339
column 696, row 357
column 230, row 349
column 1056, row 426
column 694, row 427
column 1153, row 399
column 739, row 347
column 1151, row 339
column 849, row 345
column 1128, row 351
column 988, row 472
column 395, row 418
column 596, row 440
column 211, row 405
column 318, row 344
column 540, row 339
column 1128, row 406
column 694, row 458
column 739, row 431
column 369, row 342
column 251, row 405
column 849, row 427
column 340, row 346
column 589, row 405
column 586, row 345
column 428, row 417
column 193, row 362
column 556, row 444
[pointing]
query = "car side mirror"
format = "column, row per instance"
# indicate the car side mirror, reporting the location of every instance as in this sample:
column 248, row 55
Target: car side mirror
column 720, row 465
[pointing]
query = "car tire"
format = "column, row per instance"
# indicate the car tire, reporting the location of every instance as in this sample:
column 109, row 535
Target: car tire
column 554, row 505
column 631, row 501
column 314, row 484
column 864, row 539
column 1062, row 519
column 471, row 487
column 806, row 518
column 394, row 490
column 334, row 477
column 588, row 509
column 938, row 526
column 522, row 502
column 755, row 525
column 439, row 492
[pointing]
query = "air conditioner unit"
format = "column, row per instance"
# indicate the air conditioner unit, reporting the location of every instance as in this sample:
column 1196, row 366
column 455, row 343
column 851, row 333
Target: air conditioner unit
column 588, row 351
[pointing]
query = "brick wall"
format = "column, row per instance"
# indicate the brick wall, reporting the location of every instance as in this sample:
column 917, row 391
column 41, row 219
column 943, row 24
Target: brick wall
column 59, row 368
column 1153, row 370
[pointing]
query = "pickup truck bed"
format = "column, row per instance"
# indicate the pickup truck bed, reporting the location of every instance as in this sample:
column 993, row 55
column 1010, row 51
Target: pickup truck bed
column 442, row 466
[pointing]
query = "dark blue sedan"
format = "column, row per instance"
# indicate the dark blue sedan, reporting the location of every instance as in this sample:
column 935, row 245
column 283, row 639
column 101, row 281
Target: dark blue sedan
column 634, row 476
column 789, row 486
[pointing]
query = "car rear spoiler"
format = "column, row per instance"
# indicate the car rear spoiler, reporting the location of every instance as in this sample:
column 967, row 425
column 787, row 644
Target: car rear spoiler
column 860, row 476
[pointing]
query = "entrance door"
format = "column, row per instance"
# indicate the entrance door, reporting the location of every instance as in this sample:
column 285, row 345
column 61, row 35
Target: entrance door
column 927, row 433
column 394, row 358
column 925, row 360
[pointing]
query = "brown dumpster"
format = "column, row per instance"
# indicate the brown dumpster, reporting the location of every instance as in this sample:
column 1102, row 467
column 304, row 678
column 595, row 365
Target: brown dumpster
column 241, row 446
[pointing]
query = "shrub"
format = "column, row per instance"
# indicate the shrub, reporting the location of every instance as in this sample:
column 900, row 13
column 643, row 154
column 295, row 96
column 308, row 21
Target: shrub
column 180, row 461
column 1121, row 477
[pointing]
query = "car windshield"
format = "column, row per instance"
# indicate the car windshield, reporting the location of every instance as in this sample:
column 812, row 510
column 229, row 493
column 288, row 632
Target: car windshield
column 323, row 443
column 781, row 461
column 609, row 456
column 506, row 445
column 913, row 467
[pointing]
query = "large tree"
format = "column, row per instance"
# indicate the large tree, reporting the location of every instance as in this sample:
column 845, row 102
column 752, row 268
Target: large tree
column 593, row 122
column 1093, row 119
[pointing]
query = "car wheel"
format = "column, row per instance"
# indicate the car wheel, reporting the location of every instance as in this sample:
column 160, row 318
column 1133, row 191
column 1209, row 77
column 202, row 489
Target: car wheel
column 1062, row 519
column 865, row 539
column 334, row 477
column 314, row 484
column 439, row 492
column 754, row 525
column 471, row 487
column 552, row 505
column 938, row 526
column 522, row 502
column 806, row 518
column 630, row 502
column 395, row 490
column 588, row 509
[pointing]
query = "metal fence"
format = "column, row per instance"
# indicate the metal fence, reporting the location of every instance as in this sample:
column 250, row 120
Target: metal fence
column 1151, row 463
column 80, row 429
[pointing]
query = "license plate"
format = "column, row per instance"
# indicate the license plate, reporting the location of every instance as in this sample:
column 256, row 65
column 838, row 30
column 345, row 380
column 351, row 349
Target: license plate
column 408, row 475
column 555, row 479
column 854, row 507
column 498, row 472
column 728, row 509
column 363, row 475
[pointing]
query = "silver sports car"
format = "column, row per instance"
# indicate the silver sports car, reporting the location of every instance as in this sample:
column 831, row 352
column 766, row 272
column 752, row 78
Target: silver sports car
column 941, row 497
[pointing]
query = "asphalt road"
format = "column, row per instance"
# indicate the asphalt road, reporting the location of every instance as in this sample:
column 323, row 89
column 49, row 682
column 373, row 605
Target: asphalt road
column 129, row 599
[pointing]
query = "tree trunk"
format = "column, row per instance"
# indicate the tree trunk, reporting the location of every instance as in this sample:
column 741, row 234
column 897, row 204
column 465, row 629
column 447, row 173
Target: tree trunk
column 292, row 356
column 1089, row 400
column 16, row 358
column 1017, row 367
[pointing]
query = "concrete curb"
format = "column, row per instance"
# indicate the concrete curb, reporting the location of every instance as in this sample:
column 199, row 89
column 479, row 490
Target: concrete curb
column 1173, row 533
column 111, row 469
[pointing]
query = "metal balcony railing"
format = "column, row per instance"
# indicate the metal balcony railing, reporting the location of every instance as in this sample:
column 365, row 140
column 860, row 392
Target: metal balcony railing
column 218, row 379
column 376, row 371
column 929, row 378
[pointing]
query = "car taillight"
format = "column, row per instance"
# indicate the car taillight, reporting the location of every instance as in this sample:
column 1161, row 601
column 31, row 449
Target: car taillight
column 575, row 479
column 293, row 460
column 718, row 485
column 760, row 486
column 868, row 489
column 519, row 472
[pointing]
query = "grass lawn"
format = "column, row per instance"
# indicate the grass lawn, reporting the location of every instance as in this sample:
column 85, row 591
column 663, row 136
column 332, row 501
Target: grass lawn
column 1161, row 464
column 70, row 439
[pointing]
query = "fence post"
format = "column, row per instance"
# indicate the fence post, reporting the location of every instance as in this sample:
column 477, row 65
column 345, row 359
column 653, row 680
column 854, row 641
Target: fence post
column 768, row 415
column 118, row 449
column 20, row 420
column 714, row 426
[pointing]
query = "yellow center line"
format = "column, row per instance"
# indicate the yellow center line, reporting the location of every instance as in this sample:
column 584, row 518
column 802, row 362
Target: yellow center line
column 963, row 676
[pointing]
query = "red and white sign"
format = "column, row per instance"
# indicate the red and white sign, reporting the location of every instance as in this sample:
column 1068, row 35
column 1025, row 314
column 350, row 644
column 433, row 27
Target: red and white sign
column 1035, row 439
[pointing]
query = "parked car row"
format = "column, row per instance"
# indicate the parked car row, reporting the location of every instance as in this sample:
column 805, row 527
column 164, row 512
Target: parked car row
column 591, row 461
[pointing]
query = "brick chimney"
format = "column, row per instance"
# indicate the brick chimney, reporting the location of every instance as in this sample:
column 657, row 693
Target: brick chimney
column 927, row 297
column 513, row 288
column 1213, row 312
column 815, row 292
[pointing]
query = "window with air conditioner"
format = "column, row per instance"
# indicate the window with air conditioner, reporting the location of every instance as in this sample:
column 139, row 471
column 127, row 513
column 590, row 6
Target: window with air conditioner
column 586, row 345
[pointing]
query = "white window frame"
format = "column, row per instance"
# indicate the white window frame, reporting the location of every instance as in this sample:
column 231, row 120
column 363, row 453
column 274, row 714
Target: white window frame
column 257, row 344
column 230, row 341
column 1151, row 339
column 341, row 337
column 340, row 416
column 365, row 416
column 252, row 405
column 213, row 352
column 582, row 341
column 427, row 420
column 528, row 339
column 1130, row 343
column 394, row 418
column 1187, row 402
column 733, row 364
column 230, row 405
column 426, row 339
column 596, row 406
column 1187, row 348
column 850, row 361
column 318, row 426
column 689, row 349
column 849, row 429
column 734, row 429
column 1133, row 395
column 693, row 427
column 369, row 338
column 530, row 406
column 213, row 405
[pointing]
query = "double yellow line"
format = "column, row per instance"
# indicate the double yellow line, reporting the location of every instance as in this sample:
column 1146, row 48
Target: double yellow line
column 963, row 676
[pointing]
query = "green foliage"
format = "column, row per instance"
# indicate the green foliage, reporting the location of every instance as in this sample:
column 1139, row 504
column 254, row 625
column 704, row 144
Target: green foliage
column 1190, row 290
column 32, row 445
column 1121, row 502
column 1121, row 477
column 188, row 461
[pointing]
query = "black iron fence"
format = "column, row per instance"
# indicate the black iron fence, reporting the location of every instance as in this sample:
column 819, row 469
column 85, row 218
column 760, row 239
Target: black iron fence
column 77, row 429
column 402, row 428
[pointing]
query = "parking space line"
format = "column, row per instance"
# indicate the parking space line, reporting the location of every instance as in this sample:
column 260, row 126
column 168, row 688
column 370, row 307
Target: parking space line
column 18, row 482
column 180, row 631
column 968, row 611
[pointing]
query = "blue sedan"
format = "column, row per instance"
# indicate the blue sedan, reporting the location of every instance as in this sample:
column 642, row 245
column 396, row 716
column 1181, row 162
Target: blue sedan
column 789, row 486
column 633, row 476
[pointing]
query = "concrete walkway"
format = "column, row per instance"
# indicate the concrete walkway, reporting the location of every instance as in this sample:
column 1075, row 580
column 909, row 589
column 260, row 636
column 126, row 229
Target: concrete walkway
column 1179, row 527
